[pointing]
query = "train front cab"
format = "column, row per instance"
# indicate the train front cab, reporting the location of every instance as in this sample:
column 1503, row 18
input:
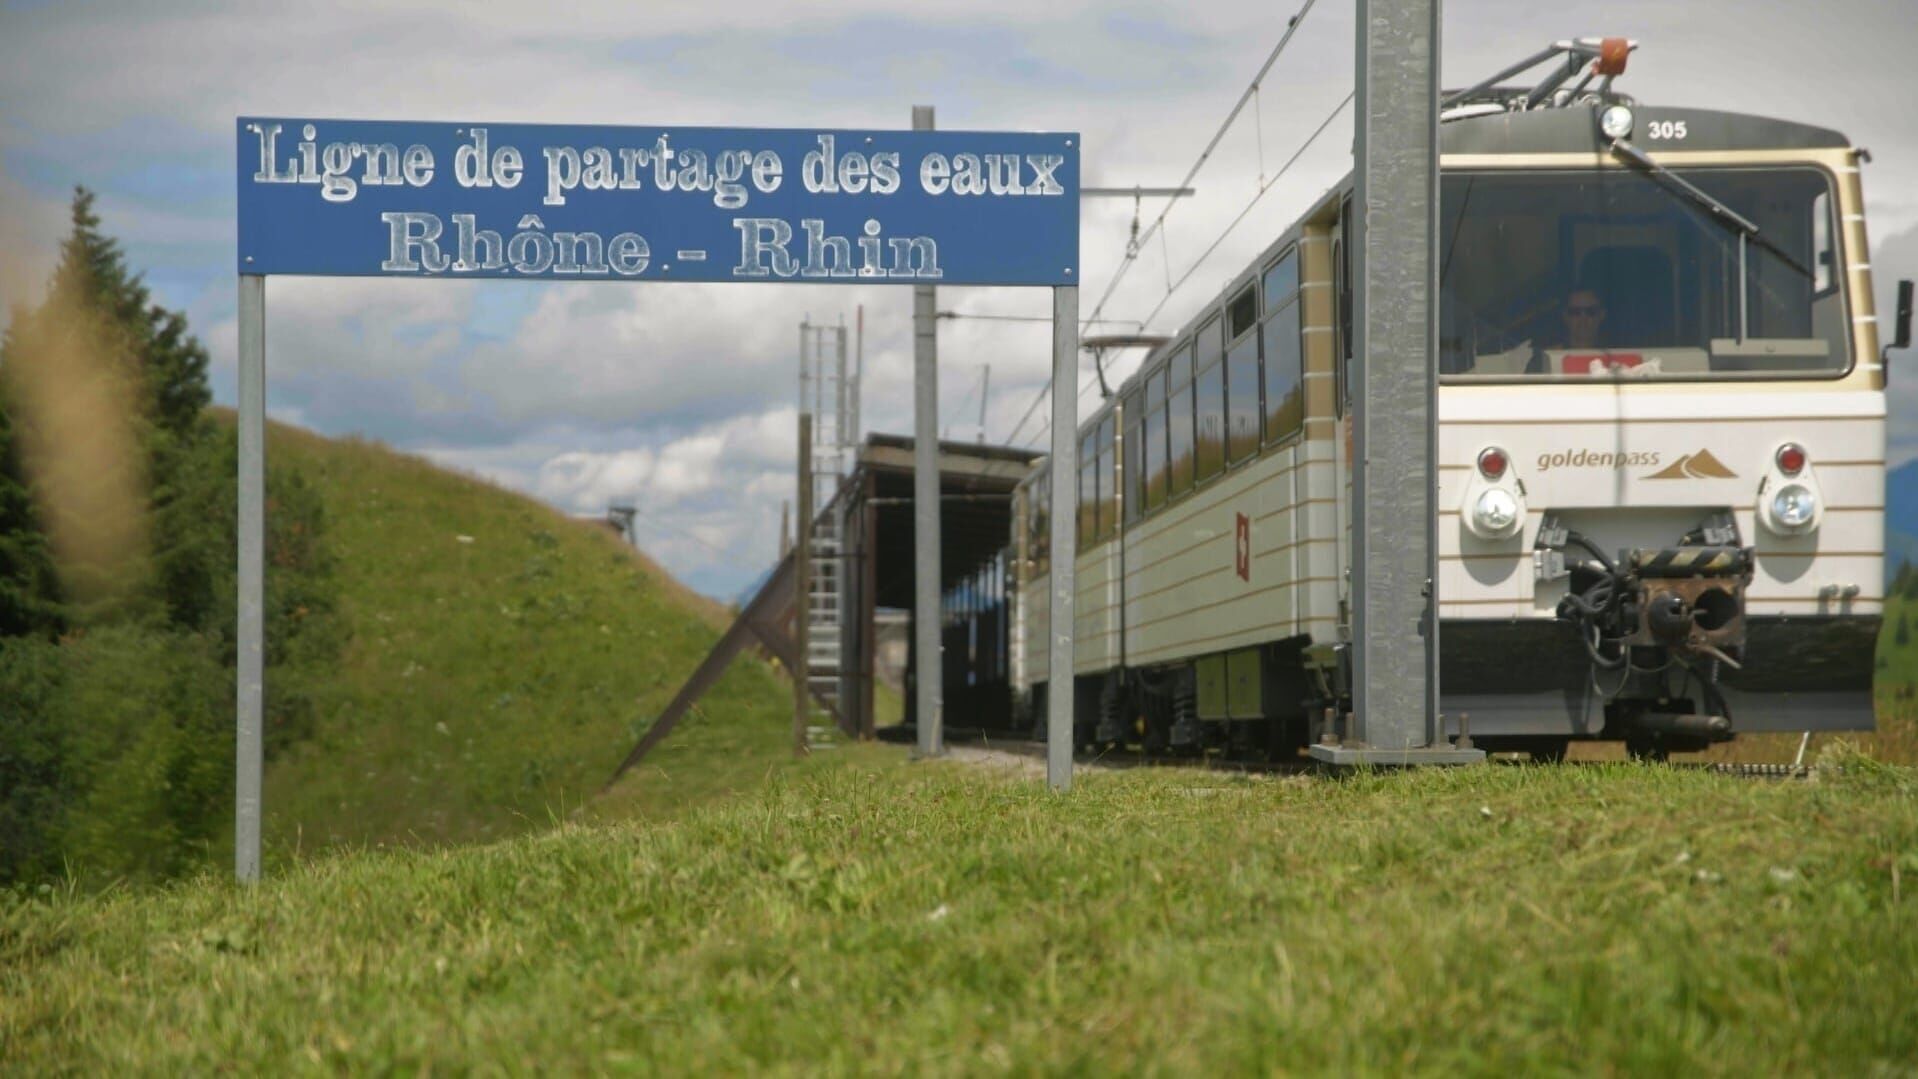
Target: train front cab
column 1662, row 432
column 1663, row 530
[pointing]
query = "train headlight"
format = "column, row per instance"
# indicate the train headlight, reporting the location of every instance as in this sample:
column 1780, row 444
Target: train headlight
column 1495, row 511
column 1615, row 121
column 1794, row 505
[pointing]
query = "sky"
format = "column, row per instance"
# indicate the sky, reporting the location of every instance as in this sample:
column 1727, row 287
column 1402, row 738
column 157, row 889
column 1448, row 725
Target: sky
column 681, row 398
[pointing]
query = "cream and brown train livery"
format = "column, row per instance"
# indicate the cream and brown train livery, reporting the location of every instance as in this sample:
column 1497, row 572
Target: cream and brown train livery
column 1661, row 457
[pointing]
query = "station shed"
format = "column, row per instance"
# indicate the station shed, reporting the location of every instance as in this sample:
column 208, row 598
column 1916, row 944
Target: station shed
column 976, row 482
column 869, row 569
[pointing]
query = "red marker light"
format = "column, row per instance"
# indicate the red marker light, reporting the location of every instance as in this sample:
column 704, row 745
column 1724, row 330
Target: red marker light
column 1613, row 52
column 1791, row 459
column 1492, row 463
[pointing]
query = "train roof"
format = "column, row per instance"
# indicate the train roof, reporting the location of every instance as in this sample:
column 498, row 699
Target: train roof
column 1575, row 131
column 1571, row 129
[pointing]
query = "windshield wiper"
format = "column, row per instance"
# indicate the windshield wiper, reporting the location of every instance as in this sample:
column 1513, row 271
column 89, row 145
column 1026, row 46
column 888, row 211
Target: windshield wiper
column 1719, row 211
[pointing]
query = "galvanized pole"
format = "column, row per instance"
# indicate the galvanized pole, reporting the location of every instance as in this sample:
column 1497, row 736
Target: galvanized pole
column 1065, row 532
column 802, row 592
column 1395, row 280
column 858, row 370
column 985, row 394
column 250, row 677
column 930, row 667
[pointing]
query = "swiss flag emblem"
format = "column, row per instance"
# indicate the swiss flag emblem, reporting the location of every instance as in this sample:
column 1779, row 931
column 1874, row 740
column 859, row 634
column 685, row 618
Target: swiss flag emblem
column 1244, row 551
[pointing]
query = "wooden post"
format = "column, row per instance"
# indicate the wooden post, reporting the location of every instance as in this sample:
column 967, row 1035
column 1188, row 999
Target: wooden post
column 802, row 591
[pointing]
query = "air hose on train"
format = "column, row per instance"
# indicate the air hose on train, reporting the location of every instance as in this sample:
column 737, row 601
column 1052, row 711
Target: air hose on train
column 1595, row 602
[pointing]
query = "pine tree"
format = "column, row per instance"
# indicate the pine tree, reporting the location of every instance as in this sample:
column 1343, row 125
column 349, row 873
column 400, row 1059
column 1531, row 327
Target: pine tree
column 29, row 589
column 111, row 390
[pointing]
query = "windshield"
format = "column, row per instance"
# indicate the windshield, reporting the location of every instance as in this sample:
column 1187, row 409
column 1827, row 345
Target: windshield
column 1612, row 273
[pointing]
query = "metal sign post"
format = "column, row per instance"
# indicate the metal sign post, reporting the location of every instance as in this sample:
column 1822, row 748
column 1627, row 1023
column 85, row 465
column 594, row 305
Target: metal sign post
column 802, row 591
column 1065, row 533
column 249, row 741
column 928, row 639
column 573, row 203
column 1395, row 275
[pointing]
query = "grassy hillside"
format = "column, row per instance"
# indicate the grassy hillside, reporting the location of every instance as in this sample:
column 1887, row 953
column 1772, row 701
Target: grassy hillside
column 502, row 659
column 933, row 919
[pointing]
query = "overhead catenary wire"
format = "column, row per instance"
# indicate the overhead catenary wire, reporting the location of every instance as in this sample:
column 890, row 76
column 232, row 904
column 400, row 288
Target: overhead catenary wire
column 1047, row 319
column 945, row 422
column 1158, row 223
column 1251, row 90
column 1263, row 188
column 1239, row 218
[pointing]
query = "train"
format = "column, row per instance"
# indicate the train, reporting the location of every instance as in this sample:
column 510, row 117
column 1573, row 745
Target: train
column 1660, row 453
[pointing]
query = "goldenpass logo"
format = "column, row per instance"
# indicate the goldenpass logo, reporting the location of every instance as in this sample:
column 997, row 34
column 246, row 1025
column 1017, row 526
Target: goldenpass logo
column 1695, row 466
column 1598, row 459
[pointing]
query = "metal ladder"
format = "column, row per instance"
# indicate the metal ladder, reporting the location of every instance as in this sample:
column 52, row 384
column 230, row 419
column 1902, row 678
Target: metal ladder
column 824, row 609
column 831, row 393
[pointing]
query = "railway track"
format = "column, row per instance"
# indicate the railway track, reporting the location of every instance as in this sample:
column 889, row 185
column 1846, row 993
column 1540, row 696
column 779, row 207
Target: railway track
column 1134, row 758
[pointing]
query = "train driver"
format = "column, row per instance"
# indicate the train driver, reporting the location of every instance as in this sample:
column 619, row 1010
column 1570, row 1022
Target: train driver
column 1579, row 348
column 1583, row 316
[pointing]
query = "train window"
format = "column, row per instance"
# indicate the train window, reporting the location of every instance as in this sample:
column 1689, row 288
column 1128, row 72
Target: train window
column 1616, row 274
column 1152, row 447
column 1088, row 501
column 1041, row 517
column 1242, row 399
column 1282, row 280
column 1178, row 411
column 1208, row 405
column 1242, row 314
column 1284, row 384
column 1108, row 477
column 1134, row 467
column 1342, row 256
column 1088, row 491
column 1209, row 344
column 1824, row 252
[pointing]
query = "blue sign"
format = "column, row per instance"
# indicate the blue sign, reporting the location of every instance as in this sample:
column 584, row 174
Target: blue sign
column 553, row 202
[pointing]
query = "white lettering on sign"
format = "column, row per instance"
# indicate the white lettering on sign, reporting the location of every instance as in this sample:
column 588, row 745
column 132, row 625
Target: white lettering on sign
column 332, row 166
column 764, row 253
column 437, row 234
column 413, row 246
column 994, row 174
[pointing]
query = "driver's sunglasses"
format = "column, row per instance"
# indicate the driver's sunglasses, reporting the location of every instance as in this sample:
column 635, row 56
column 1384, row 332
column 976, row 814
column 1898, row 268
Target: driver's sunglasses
column 1584, row 312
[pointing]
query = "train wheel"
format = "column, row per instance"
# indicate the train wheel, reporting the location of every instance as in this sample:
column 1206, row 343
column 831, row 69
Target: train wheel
column 1158, row 725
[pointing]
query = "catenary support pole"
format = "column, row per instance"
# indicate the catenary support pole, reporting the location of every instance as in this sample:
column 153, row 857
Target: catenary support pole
column 1395, row 279
column 929, row 666
column 802, row 591
column 1065, row 532
column 985, row 395
column 250, row 678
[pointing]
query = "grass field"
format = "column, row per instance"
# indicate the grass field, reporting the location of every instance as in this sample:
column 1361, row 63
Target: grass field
column 862, row 914
column 503, row 658
column 727, row 908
